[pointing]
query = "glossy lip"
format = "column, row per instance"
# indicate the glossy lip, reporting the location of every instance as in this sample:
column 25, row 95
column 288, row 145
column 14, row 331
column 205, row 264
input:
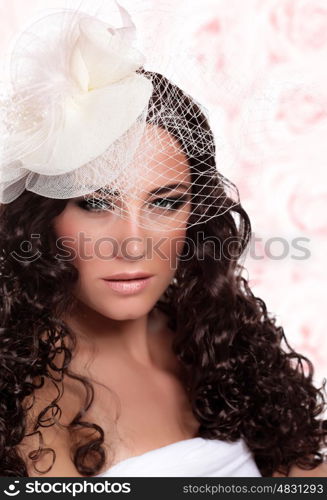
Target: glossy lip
column 128, row 276
column 128, row 287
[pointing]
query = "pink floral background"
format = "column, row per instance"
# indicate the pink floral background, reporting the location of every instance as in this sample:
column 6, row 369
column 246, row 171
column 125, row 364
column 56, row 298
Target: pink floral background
column 259, row 67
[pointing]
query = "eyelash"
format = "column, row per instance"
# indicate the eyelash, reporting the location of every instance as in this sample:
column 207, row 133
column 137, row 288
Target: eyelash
column 176, row 201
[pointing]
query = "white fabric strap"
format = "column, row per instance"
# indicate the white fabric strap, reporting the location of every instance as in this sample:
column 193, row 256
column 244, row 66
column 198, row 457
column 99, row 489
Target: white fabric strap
column 195, row 457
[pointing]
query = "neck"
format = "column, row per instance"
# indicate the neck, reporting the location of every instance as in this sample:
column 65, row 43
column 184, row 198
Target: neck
column 130, row 338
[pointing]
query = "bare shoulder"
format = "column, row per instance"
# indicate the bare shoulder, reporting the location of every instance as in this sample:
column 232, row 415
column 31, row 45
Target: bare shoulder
column 295, row 471
column 63, row 465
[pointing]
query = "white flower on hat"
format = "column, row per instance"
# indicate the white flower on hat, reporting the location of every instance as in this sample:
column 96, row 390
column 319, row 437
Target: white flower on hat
column 75, row 91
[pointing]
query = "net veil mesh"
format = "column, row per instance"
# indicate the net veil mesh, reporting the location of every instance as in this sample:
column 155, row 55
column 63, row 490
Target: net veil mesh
column 159, row 161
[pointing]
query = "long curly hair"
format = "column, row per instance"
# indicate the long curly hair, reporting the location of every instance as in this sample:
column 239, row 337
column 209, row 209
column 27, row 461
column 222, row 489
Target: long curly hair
column 241, row 381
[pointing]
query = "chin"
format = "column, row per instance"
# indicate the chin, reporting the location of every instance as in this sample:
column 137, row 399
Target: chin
column 125, row 315
column 125, row 311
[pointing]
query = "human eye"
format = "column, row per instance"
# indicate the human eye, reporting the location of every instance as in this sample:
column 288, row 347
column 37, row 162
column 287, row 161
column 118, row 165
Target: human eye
column 94, row 204
column 170, row 203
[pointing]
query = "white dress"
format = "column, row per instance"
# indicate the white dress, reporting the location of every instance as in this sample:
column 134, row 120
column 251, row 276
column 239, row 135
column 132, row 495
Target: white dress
column 194, row 457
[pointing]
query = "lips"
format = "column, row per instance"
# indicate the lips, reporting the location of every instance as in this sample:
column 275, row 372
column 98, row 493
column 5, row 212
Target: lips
column 128, row 276
column 128, row 286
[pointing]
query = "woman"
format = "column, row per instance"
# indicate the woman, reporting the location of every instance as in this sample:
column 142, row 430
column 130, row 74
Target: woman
column 101, row 376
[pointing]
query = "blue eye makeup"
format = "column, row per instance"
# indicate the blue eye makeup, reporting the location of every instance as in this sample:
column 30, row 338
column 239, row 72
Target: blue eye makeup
column 171, row 203
column 175, row 202
column 94, row 205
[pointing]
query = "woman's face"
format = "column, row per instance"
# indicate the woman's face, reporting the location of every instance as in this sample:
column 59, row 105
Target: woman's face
column 104, row 244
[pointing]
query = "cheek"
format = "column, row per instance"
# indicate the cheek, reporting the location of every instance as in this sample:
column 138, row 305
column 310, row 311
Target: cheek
column 74, row 238
column 168, row 249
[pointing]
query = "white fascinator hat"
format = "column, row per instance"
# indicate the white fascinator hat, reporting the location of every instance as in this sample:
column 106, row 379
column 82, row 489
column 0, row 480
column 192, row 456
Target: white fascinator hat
column 79, row 114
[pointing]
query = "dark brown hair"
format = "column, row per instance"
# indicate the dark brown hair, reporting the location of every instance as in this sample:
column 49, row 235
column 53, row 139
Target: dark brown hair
column 241, row 381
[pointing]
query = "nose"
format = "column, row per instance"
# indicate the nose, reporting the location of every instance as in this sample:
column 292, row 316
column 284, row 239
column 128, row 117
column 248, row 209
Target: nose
column 131, row 237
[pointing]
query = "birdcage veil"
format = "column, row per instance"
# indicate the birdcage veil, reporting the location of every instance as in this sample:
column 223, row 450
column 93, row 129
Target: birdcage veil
column 82, row 118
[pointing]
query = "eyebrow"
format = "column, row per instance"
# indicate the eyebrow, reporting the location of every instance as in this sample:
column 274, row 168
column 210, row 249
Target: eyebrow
column 156, row 191
column 169, row 187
